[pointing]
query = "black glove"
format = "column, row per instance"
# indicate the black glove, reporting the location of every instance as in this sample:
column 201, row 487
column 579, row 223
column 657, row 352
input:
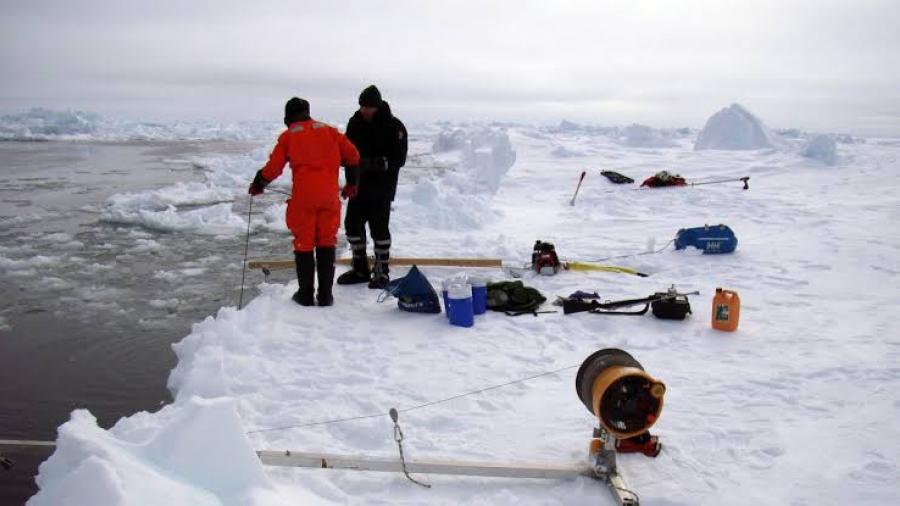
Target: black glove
column 351, row 174
column 258, row 185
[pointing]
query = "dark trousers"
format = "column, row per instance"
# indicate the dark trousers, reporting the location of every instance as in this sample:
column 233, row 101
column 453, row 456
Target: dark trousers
column 377, row 213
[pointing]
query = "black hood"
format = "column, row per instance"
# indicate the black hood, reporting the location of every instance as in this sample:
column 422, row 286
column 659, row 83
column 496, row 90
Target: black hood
column 382, row 115
column 384, row 111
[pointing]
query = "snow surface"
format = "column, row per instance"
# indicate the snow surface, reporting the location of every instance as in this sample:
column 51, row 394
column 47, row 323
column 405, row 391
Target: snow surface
column 799, row 406
column 734, row 128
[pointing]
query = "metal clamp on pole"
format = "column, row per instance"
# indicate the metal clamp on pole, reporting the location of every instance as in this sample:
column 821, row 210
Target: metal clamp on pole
column 602, row 458
column 398, row 437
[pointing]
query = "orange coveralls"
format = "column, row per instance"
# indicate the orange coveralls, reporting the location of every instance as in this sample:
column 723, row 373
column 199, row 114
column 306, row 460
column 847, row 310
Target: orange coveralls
column 315, row 151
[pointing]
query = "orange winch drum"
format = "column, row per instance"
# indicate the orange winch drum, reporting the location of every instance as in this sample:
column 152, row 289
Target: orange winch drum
column 614, row 387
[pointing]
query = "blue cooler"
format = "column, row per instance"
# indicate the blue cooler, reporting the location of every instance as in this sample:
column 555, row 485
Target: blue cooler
column 479, row 295
column 459, row 307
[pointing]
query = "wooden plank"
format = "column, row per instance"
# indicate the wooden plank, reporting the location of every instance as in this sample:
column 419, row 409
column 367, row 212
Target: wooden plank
column 274, row 264
column 328, row 461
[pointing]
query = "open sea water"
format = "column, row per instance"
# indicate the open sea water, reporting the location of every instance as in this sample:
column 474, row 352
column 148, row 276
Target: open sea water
column 89, row 309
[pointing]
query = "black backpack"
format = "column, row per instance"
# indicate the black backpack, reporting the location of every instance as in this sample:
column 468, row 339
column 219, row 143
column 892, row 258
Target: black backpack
column 513, row 298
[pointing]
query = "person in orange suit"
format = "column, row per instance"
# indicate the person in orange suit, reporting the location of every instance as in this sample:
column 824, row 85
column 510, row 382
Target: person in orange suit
column 315, row 152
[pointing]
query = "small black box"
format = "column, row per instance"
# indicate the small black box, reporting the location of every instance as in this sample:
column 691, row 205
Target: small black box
column 672, row 308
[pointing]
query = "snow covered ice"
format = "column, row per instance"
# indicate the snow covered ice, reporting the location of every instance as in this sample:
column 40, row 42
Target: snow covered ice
column 39, row 124
column 822, row 148
column 799, row 406
column 193, row 454
column 734, row 128
column 642, row 136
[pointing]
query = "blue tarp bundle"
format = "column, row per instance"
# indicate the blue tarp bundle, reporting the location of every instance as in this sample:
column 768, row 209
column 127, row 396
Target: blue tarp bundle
column 709, row 239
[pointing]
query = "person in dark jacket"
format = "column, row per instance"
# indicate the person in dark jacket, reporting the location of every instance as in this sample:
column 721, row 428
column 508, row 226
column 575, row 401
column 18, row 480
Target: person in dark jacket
column 381, row 140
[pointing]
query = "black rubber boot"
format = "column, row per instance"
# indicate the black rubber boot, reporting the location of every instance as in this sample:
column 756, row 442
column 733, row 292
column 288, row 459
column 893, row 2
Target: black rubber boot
column 325, row 271
column 306, row 272
column 358, row 274
column 380, row 277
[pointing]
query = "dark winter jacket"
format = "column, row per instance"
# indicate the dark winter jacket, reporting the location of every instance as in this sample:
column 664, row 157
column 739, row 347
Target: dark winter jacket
column 382, row 148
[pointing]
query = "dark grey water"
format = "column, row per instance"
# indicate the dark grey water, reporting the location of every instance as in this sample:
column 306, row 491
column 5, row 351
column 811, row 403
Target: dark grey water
column 86, row 321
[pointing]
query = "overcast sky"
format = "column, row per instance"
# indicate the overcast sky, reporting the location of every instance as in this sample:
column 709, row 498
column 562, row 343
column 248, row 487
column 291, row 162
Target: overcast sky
column 822, row 64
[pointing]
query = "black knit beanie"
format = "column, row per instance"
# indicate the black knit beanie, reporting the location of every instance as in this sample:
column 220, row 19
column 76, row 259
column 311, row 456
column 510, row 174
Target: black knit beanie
column 296, row 109
column 370, row 97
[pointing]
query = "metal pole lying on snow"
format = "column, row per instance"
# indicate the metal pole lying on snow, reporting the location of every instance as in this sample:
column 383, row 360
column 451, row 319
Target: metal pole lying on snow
column 290, row 458
column 745, row 180
column 310, row 460
column 328, row 461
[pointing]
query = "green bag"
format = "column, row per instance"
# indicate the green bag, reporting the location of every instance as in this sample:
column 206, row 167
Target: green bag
column 513, row 298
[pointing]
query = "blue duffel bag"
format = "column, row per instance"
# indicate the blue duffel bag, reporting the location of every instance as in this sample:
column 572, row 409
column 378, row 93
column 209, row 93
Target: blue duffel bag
column 709, row 239
column 414, row 293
